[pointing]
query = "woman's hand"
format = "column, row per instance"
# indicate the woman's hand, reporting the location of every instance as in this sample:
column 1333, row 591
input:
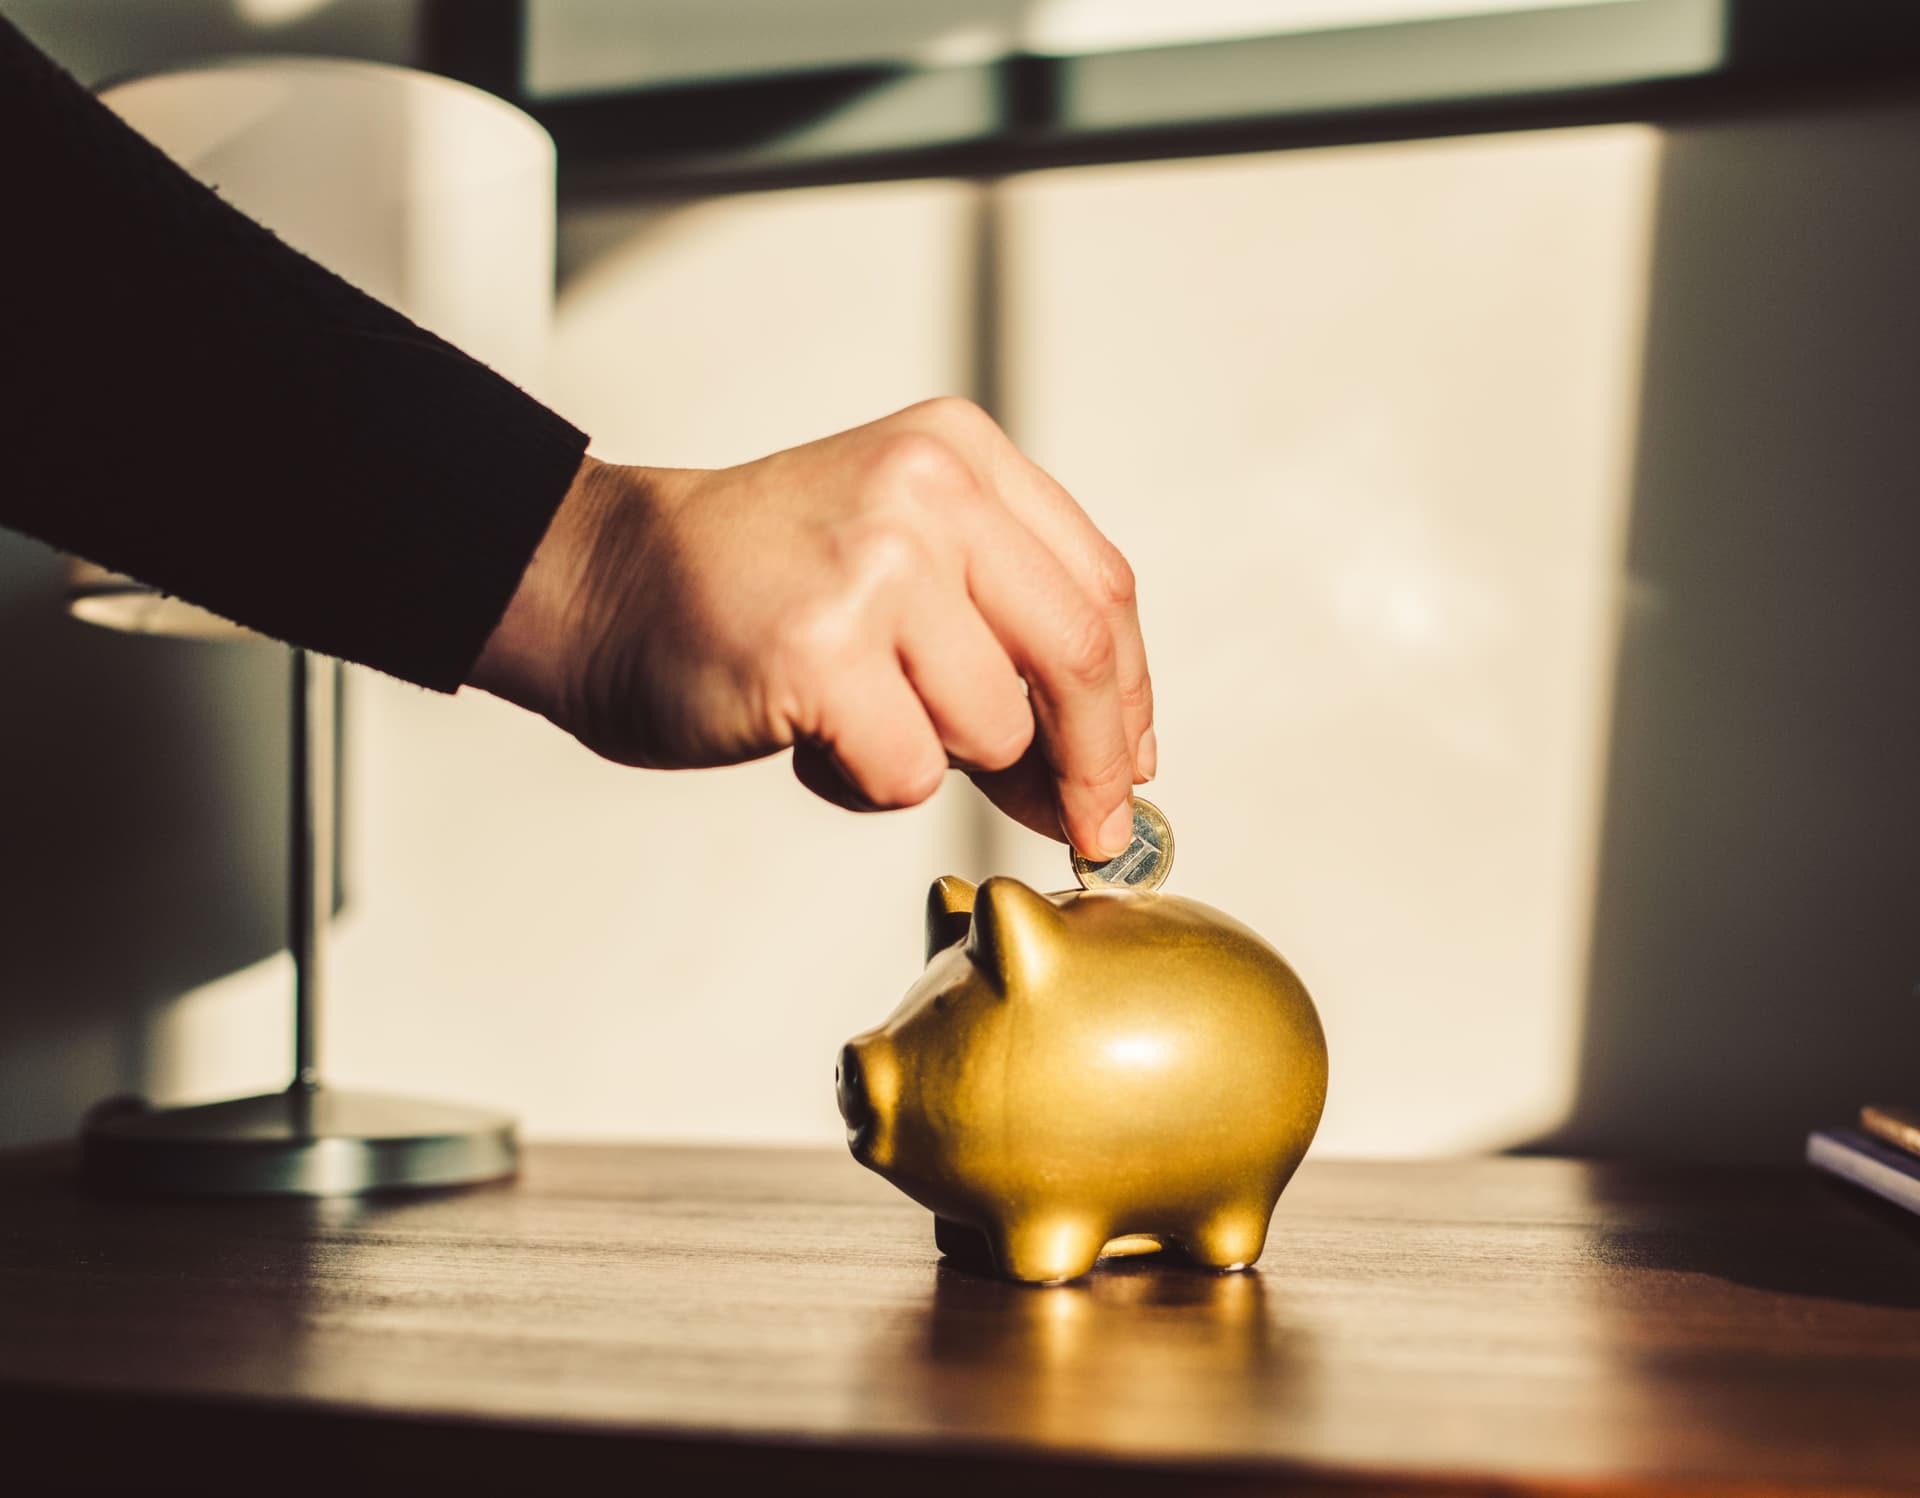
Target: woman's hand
column 890, row 601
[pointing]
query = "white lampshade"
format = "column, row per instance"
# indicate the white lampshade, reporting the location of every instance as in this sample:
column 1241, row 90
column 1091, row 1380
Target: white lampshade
column 433, row 196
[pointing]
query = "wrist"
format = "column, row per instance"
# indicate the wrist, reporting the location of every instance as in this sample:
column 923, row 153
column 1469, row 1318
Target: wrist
column 529, row 658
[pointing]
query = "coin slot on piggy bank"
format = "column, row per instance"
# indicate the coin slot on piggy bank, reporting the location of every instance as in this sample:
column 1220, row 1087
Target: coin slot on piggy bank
column 1097, row 1072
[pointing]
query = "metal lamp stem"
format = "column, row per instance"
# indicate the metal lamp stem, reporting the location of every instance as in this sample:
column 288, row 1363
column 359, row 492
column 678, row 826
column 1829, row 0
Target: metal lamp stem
column 310, row 877
column 307, row 1140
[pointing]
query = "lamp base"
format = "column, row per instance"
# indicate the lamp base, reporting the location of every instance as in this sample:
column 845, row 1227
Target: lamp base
column 306, row 1141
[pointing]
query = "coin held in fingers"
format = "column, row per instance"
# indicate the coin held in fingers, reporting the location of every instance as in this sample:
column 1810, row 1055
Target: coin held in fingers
column 1147, row 861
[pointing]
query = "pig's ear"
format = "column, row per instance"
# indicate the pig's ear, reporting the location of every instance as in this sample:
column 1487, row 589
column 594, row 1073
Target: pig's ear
column 1015, row 934
column 949, row 912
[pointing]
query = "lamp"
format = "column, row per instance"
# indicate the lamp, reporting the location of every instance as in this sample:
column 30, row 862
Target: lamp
column 437, row 199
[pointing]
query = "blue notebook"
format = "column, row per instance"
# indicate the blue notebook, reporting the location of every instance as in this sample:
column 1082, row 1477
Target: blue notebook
column 1882, row 1169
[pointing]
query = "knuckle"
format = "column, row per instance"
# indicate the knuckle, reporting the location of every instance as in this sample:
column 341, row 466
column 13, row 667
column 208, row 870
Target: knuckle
column 1113, row 576
column 925, row 781
column 880, row 559
column 883, row 553
column 1087, row 650
column 818, row 639
column 917, row 463
column 1136, row 691
column 1003, row 750
column 908, row 783
column 956, row 411
column 1097, row 777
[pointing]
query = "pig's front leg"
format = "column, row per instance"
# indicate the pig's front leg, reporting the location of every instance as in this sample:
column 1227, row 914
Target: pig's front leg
column 968, row 1247
column 1044, row 1250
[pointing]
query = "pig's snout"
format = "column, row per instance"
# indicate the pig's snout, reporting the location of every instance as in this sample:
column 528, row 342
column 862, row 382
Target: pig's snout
column 867, row 1085
column 850, row 1086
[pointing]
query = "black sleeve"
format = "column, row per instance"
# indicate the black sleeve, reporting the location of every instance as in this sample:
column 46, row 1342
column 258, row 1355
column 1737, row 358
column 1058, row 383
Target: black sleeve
column 187, row 399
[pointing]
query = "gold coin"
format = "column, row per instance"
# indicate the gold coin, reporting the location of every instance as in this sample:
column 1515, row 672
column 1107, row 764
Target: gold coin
column 1147, row 861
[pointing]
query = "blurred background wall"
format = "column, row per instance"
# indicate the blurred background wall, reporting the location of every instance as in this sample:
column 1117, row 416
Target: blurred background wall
column 1524, row 537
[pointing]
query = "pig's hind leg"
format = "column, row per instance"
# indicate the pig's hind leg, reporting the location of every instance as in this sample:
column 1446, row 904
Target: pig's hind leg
column 1231, row 1237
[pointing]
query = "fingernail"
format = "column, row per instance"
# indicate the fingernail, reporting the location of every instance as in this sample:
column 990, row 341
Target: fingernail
column 1116, row 833
column 1148, row 760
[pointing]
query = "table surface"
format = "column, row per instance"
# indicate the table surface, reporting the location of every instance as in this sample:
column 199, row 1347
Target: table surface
column 1487, row 1326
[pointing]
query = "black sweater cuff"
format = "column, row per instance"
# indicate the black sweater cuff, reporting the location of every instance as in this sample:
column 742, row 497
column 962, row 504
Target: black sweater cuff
column 205, row 408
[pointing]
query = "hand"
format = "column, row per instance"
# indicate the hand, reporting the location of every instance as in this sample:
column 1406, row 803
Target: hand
column 890, row 601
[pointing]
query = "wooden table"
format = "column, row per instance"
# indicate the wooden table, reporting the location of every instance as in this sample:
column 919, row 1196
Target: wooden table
column 692, row 1320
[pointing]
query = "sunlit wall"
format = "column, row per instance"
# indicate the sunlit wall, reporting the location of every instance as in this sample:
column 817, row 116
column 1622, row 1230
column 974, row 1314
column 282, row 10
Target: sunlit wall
column 1364, row 421
column 1523, row 540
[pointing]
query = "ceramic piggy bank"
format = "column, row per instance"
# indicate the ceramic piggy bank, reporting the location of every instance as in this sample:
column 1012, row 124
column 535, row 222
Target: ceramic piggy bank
column 1098, row 1072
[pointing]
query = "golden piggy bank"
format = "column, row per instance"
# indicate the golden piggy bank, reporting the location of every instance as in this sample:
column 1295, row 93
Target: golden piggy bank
column 1086, row 1073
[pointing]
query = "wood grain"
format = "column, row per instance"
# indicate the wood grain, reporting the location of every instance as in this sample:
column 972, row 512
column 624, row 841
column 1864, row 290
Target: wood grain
column 693, row 1316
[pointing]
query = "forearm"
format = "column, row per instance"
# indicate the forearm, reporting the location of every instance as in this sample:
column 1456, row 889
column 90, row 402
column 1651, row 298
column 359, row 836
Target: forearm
column 201, row 406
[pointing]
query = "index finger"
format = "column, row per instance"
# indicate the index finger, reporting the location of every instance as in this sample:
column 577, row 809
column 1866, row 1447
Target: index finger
column 1043, row 505
column 1061, row 643
column 1038, row 502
